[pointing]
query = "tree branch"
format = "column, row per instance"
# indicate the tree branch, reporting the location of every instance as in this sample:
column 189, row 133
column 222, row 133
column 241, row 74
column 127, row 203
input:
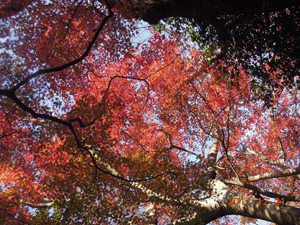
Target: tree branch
column 269, row 175
column 69, row 64
column 261, row 190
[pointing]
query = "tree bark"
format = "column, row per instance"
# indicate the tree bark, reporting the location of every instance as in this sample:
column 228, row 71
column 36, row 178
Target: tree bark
column 223, row 202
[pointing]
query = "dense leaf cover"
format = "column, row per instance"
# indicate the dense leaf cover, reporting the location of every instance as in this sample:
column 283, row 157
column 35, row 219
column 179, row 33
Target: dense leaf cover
column 98, row 127
column 251, row 41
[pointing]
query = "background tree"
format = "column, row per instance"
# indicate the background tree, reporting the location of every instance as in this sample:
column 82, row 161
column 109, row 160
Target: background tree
column 97, row 128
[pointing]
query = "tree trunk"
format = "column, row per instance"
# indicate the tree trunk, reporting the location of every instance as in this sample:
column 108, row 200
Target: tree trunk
column 223, row 202
column 258, row 208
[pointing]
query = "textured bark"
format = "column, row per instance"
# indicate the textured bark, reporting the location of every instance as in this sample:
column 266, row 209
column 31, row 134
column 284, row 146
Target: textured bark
column 221, row 203
column 211, row 158
column 154, row 10
column 255, row 208
column 279, row 214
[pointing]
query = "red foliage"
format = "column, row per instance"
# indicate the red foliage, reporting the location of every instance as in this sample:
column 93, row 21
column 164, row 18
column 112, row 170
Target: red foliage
column 146, row 110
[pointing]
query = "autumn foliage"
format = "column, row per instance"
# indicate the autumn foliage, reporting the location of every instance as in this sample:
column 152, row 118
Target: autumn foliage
column 86, row 119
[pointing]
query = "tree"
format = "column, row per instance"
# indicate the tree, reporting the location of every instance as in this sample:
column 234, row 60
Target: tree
column 96, row 128
column 252, row 33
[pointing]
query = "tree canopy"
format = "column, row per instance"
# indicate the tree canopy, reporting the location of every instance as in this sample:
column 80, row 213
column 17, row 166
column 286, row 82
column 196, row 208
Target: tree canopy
column 260, row 43
column 195, row 120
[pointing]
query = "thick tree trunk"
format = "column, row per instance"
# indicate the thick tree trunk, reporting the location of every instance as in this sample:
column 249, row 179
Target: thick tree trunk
column 223, row 202
column 255, row 208
column 154, row 10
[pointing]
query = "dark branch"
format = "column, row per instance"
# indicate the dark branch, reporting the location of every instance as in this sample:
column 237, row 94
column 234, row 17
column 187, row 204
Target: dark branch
column 81, row 124
column 69, row 64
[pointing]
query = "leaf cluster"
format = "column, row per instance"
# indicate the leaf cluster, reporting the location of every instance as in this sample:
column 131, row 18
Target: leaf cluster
column 261, row 44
